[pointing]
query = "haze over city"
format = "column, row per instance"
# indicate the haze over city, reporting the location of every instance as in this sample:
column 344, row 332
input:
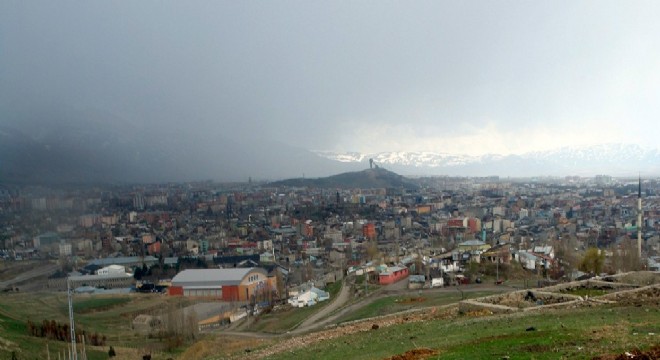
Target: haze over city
column 207, row 80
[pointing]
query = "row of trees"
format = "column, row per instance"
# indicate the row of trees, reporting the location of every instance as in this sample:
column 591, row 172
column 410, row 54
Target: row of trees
column 53, row 330
column 623, row 259
column 179, row 326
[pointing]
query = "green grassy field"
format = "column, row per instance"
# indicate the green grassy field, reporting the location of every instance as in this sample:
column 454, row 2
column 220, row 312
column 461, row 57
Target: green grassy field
column 98, row 304
column 109, row 315
column 13, row 338
column 393, row 304
column 558, row 334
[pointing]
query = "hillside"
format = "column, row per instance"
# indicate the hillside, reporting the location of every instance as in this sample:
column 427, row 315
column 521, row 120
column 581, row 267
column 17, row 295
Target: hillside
column 601, row 327
column 365, row 179
column 584, row 333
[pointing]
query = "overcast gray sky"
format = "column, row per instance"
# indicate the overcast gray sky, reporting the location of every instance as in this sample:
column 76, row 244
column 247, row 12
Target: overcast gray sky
column 446, row 76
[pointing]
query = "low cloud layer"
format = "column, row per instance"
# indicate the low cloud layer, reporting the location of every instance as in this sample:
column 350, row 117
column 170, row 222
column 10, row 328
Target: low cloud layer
column 484, row 77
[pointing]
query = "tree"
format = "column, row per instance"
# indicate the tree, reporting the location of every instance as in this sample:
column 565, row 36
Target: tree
column 280, row 284
column 566, row 255
column 593, row 261
column 308, row 272
column 625, row 257
column 111, row 352
column 137, row 274
column 190, row 323
column 419, row 266
column 372, row 251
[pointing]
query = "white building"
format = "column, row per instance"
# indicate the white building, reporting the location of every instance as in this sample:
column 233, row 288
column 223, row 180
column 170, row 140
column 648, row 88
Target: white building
column 310, row 297
column 65, row 249
column 111, row 270
column 265, row 245
column 523, row 213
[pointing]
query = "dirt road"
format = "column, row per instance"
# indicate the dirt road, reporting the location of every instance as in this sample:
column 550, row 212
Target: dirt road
column 330, row 314
column 312, row 322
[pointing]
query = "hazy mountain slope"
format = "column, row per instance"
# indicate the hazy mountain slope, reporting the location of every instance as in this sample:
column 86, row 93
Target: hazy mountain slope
column 51, row 143
column 66, row 146
column 365, row 179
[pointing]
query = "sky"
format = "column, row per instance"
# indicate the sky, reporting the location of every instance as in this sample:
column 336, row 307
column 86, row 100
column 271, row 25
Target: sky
column 465, row 77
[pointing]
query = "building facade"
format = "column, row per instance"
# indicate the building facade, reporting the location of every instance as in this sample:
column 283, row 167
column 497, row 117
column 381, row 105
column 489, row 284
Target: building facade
column 235, row 284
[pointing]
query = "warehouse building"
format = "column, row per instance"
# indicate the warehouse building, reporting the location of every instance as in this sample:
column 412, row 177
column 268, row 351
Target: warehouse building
column 234, row 284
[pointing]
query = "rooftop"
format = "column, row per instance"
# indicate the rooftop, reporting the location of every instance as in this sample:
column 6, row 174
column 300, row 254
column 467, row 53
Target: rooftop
column 217, row 276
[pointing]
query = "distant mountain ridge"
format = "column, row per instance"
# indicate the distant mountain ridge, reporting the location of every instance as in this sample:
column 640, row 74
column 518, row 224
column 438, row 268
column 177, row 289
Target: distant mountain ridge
column 613, row 159
column 365, row 179
column 56, row 144
column 59, row 146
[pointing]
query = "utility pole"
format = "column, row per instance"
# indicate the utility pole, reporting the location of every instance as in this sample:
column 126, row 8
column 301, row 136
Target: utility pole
column 73, row 354
column 639, row 220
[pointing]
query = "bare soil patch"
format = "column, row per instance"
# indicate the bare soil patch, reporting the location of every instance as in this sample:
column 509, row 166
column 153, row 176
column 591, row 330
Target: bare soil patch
column 651, row 354
column 414, row 354
column 537, row 348
column 411, row 300
column 649, row 296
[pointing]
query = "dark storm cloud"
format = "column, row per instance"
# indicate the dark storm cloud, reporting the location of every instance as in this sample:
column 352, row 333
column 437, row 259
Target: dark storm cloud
column 318, row 74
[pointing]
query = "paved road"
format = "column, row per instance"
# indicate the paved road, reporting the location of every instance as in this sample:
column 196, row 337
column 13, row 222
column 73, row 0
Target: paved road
column 36, row 272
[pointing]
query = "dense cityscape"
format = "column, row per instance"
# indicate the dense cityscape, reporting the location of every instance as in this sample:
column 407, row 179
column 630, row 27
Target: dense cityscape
column 334, row 228
column 293, row 243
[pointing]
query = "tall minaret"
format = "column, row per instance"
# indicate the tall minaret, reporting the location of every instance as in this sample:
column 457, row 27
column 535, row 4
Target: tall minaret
column 639, row 219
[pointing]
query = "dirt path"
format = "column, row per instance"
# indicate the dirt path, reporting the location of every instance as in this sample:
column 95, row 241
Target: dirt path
column 328, row 316
column 340, row 306
column 312, row 322
column 397, row 289
column 327, row 328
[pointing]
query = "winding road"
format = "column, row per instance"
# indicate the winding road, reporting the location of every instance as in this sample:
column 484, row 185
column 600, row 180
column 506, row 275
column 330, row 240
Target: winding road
column 341, row 306
column 313, row 322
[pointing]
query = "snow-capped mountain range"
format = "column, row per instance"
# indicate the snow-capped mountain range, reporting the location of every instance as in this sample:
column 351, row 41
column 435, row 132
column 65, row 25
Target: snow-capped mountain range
column 612, row 159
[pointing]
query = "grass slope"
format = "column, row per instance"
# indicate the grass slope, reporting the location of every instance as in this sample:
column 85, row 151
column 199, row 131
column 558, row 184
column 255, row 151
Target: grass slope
column 14, row 338
column 109, row 315
column 393, row 304
column 568, row 333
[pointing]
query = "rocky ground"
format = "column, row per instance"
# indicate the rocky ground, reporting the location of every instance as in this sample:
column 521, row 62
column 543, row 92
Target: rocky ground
column 651, row 354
